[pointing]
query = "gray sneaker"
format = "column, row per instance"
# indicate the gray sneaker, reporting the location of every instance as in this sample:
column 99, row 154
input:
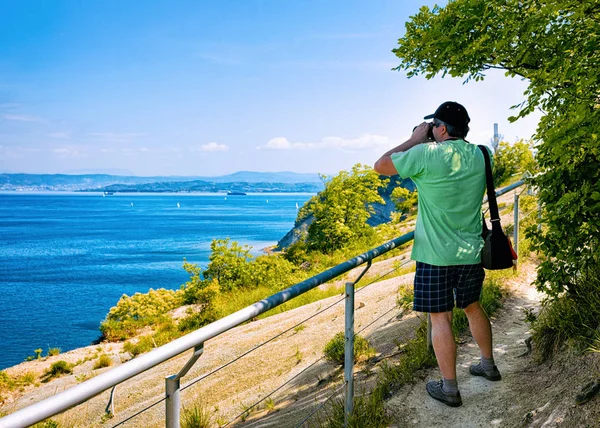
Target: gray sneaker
column 434, row 389
column 477, row 370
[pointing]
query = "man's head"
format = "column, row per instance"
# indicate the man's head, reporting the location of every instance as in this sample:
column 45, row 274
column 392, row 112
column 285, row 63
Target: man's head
column 454, row 117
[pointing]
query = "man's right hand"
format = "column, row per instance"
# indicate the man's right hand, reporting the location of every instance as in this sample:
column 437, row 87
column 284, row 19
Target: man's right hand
column 419, row 135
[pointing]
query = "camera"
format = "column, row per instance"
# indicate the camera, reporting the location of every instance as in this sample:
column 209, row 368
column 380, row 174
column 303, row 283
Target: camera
column 429, row 131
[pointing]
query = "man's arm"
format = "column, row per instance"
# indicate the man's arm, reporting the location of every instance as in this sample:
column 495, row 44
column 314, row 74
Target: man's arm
column 385, row 166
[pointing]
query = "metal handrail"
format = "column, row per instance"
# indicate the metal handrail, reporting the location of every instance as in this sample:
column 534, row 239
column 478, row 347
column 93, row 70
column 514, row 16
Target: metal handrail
column 78, row 394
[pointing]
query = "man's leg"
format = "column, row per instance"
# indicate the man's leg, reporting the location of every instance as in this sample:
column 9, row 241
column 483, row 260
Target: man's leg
column 479, row 323
column 445, row 390
column 434, row 294
column 443, row 343
column 481, row 330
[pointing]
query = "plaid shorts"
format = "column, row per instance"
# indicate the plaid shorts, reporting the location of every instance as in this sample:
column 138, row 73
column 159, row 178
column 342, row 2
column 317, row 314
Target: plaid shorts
column 437, row 287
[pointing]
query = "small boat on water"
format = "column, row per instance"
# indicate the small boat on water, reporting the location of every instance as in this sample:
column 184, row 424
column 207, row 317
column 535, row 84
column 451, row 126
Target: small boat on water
column 178, row 206
column 236, row 194
column 107, row 193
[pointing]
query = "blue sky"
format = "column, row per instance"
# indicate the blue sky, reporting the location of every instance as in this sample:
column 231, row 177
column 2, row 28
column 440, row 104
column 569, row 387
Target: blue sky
column 215, row 87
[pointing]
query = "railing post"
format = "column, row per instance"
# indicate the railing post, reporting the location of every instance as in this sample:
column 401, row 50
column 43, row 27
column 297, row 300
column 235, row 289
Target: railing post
column 173, row 391
column 173, row 401
column 516, row 227
column 349, row 353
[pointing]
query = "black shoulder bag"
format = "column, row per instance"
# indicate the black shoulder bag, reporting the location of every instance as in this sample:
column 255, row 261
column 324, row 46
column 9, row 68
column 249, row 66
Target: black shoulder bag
column 497, row 252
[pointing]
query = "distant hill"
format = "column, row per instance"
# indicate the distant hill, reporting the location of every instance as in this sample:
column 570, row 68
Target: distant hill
column 243, row 181
column 264, row 177
column 206, row 186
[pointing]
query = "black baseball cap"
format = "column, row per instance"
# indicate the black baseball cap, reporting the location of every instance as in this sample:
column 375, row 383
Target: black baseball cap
column 451, row 113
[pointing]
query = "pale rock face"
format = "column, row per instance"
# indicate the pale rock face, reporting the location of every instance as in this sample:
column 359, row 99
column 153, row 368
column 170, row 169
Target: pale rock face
column 382, row 212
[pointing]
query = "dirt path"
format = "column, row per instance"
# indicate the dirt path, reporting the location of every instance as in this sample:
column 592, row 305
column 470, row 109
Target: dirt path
column 529, row 395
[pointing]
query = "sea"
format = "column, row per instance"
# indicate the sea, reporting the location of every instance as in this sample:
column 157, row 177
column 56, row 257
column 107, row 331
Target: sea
column 67, row 258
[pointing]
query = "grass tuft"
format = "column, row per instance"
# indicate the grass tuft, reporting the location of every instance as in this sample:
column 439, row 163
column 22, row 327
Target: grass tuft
column 196, row 416
column 334, row 349
column 53, row 352
column 102, row 361
column 57, row 369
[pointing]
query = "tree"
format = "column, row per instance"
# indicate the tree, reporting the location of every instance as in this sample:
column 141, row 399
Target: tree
column 404, row 199
column 341, row 210
column 511, row 160
column 554, row 46
column 198, row 290
column 230, row 264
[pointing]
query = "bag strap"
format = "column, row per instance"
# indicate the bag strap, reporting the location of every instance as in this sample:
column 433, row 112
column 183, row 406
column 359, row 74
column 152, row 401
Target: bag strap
column 491, row 193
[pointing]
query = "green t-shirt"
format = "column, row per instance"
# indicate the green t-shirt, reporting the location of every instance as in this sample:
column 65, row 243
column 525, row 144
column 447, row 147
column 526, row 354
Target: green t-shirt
column 450, row 178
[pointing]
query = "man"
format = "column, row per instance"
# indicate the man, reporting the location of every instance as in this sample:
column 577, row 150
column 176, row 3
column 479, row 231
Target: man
column 449, row 174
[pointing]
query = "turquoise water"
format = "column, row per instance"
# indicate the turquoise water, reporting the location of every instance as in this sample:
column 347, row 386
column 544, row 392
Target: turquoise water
column 65, row 259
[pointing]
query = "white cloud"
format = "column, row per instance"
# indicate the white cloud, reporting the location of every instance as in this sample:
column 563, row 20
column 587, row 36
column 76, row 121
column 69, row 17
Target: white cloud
column 279, row 143
column 214, row 147
column 21, row 118
column 364, row 142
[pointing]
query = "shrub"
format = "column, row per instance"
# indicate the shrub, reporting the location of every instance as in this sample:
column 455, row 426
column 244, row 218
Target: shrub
column 405, row 297
column 6, row 382
column 144, row 344
column 59, row 368
column 296, row 253
column 272, row 271
column 334, row 349
column 118, row 330
column 145, row 306
column 102, row 361
column 572, row 319
column 27, row 378
column 196, row 320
